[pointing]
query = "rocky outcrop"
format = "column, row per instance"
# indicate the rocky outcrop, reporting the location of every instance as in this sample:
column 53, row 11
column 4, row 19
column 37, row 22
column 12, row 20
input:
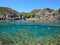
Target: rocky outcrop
column 44, row 14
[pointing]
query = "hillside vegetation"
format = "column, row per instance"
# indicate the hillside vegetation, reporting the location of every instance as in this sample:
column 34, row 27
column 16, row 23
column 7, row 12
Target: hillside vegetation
column 6, row 10
column 37, row 13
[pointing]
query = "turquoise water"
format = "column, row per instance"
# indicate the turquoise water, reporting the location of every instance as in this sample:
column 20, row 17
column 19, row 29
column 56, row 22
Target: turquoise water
column 25, row 32
column 39, row 29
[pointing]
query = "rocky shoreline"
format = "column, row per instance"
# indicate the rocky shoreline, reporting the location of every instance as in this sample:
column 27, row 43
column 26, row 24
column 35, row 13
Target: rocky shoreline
column 37, row 14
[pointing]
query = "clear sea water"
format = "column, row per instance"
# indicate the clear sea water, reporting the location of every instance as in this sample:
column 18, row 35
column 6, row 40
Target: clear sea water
column 31, row 26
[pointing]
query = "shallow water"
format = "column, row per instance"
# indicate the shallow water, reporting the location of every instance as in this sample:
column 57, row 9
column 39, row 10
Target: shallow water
column 30, row 29
column 29, row 25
